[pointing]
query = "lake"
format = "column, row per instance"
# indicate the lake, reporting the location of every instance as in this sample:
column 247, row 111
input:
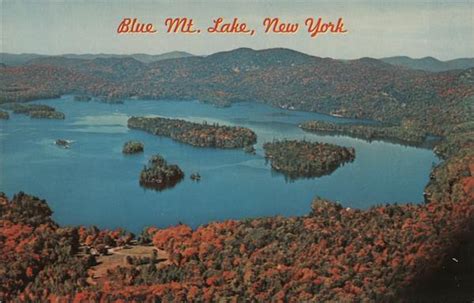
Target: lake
column 93, row 183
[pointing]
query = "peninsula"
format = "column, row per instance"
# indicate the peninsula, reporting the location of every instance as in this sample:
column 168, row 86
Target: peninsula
column 405, row 133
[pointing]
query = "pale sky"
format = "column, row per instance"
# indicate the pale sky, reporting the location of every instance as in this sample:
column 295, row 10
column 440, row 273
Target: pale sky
column 442, row 29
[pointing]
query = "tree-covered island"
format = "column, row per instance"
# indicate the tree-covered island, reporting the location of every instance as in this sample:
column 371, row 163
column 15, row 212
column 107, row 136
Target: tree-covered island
column 159, row 174
column 298, row 159
column 133, row 147
column 405, row 133
column 37, row 111
column 197, row 134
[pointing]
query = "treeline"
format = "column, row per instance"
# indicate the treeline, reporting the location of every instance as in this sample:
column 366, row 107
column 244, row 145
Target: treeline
column 298, row 159
column 202, row 135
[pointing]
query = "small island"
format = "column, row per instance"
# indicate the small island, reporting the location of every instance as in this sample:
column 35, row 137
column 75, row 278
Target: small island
column 62, row 143
column 196, row 134
column 37, row 111
column 4, row 115
column 195, row 177
column 406, row 133
column 133, row 147
column 160, row 175
column 297, row 159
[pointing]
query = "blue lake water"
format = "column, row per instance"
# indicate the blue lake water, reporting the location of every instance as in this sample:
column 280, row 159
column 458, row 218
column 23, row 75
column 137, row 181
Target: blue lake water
column 93, row 183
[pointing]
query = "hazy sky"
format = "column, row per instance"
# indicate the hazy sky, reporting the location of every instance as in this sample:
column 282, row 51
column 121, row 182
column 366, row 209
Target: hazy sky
column 443, row 29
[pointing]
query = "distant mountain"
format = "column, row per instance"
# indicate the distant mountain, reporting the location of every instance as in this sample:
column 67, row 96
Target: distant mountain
column 19, row 59
column 430, row 64
column 145, row 58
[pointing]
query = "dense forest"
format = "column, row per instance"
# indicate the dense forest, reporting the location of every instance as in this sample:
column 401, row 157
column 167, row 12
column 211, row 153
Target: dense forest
column 203, row 135
column 298, row 159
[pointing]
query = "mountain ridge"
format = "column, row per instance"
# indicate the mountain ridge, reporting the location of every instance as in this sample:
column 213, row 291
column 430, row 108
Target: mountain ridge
column 429, row 63
column 25, row 58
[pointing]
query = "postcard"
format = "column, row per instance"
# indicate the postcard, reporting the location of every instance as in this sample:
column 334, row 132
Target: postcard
column 236, row 151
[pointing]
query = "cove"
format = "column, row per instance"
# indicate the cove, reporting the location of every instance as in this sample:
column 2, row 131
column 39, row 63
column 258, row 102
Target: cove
column 93, row 183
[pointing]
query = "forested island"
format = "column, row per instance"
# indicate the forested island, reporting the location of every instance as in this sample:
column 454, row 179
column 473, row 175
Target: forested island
column 38, row 111
column 159, row 175
column 133, row 147
column 298, row 159
column 406, row 133
column 196, row 134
